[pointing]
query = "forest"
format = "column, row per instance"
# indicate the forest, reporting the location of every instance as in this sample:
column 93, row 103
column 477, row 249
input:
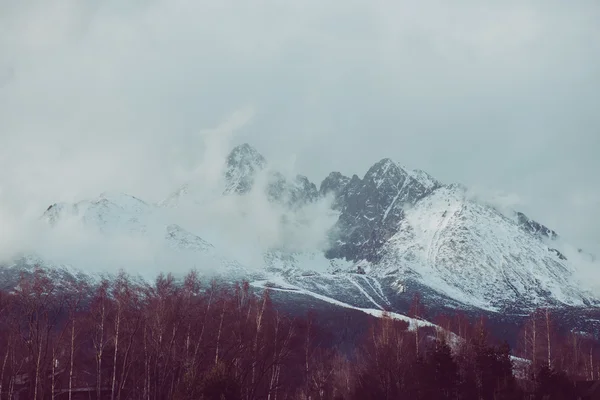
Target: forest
column 186, row 339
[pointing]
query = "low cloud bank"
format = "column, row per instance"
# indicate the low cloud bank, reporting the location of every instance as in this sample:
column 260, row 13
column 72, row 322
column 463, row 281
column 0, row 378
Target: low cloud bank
column 104, row 238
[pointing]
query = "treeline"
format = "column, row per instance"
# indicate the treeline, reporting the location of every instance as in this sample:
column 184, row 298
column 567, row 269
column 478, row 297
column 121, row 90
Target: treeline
column 181, row 340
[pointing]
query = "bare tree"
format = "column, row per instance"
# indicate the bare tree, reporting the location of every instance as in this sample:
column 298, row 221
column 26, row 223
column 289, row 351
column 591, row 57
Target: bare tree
column 548, row 331
column 98, row 316
column 41, row 310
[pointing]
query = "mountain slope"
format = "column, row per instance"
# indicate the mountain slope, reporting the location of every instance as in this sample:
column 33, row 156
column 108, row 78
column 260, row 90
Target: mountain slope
column 474, row 253
column 372, row 207
column 120, row 216
column 394, row 230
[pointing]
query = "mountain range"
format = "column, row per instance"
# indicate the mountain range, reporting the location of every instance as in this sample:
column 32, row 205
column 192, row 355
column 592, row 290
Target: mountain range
column 385, row 236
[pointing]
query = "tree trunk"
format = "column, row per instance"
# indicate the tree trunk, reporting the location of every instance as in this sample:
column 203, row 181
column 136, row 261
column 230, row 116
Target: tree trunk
column 4, row 367
column 219, row 335
column 275, row 362
column 100, row 350
column 306, row 356
column 147, row 364
column 71, row 358
column 591, row 363
column 547, row 314
column 37, row 370
column 255, row 348
column 54, row 362
column 533, row 342
column 114, row 375
column 417, row 339
column 125, row 368
column 575, row 352
column 11, row 387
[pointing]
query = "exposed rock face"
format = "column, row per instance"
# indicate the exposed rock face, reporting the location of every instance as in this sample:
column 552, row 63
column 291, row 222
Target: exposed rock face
column 372, row 207
column 294, row 193
column 334, row 184
column 246, row 166
column 535, row 228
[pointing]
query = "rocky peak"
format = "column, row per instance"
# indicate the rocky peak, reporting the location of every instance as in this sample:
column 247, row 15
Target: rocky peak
column 372, row 207
column 334, row 184
column 242, row 164
column 293, row 193
column 385, row 172
column 426, row 180
column 56, row 212
column 535, row 228
column 306, row 188
column 245, row 154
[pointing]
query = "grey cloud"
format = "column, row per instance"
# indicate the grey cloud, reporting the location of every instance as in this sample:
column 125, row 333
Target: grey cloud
column 108, row 96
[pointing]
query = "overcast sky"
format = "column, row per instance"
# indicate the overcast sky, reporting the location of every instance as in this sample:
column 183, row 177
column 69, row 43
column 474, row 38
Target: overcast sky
column 502, row 96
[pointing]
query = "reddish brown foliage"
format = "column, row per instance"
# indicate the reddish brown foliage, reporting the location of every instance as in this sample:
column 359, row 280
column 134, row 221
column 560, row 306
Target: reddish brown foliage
column 180, row 340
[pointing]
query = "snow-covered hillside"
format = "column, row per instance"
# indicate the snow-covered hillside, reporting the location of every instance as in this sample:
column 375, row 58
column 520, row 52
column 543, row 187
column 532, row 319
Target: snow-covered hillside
column 118, row 216
column 474, row 253
column 355, row 242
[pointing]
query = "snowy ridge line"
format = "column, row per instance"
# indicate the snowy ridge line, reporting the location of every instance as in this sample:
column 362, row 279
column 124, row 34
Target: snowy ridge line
column 445, row 240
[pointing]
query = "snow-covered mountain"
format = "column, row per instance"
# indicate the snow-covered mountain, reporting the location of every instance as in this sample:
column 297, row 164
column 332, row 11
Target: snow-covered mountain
column 371, row 208
column 393, row 231
column 118, row 215
column 474, row 253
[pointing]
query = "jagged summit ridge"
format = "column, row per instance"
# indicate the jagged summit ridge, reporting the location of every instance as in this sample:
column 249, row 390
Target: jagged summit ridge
column 245, row 170
column 406, row 223
column 334, row 183
column 396, row 226
column 534, row 227
column 426, row 180
column 245, row 165
column 372, row 207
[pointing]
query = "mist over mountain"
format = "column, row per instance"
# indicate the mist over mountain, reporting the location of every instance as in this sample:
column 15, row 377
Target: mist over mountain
column 365, row 242
column 336, row 200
